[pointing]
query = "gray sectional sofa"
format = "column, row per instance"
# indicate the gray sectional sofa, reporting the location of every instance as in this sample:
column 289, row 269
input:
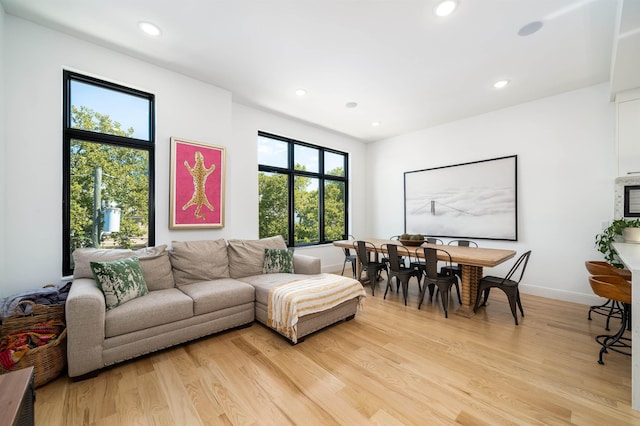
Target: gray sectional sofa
column 195, row 289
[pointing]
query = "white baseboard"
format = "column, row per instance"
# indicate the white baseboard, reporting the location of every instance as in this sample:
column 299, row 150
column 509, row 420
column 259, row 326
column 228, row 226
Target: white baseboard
column 567, row 296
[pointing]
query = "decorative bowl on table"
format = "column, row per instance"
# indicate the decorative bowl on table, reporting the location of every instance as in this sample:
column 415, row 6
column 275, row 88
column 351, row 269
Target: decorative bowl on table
column 411, row 243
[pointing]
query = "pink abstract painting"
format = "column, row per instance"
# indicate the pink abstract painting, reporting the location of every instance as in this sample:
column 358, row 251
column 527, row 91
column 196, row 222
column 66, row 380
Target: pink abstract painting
column 197, row 199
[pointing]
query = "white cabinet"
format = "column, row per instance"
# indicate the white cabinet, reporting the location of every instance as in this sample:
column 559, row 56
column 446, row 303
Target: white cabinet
column 628, row 133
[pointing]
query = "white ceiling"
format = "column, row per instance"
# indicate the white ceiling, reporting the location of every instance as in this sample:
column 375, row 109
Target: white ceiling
column 405, row 67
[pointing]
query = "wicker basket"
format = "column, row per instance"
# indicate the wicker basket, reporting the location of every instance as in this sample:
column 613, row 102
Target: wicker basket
column 48, row 361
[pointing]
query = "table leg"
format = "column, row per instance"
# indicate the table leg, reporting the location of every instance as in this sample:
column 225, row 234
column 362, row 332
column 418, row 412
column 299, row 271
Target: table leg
column 470, row 277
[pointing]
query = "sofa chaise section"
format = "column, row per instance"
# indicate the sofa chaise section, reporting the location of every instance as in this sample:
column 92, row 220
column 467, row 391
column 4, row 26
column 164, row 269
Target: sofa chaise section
column 246, row 259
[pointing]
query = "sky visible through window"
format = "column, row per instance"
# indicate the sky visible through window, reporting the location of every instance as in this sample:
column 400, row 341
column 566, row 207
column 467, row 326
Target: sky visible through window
column 129, row 111
column 274, row 153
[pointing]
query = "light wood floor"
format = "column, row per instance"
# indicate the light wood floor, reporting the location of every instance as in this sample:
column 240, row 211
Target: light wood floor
column 391, row 365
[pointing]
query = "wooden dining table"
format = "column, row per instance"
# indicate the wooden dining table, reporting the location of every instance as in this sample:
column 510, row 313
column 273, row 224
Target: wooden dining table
column 472, row 260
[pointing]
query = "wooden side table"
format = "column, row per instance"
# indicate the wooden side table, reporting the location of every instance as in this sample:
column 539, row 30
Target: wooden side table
column 17, row 396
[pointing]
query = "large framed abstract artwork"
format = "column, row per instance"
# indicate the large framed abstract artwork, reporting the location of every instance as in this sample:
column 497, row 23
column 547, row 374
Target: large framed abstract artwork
column 197, row 185
column 470, row 200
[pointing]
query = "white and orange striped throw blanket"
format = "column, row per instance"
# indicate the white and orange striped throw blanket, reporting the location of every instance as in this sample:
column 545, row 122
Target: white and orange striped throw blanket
column 292, row 300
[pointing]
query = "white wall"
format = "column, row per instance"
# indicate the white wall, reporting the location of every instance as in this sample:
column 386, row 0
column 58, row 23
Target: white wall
column 3, row 155
column 566, row 169
column 243, row 170
column 33, row 60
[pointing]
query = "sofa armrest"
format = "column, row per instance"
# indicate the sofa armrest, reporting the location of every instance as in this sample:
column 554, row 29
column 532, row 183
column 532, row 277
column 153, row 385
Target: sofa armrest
column 85, row 314
column 303, row 264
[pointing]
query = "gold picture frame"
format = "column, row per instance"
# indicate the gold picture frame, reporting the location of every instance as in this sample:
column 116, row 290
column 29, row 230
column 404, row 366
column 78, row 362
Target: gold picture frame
column 197, row 185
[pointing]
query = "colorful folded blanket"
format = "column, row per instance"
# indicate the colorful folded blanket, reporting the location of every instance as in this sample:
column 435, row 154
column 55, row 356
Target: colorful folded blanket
column 16, row 344
column 290, row 301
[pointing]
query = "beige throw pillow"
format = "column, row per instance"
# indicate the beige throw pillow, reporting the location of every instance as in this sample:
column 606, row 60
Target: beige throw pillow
column 194, row 261
column 83, row 256
column 150, row 251
column 246, row 257
column 156, row 267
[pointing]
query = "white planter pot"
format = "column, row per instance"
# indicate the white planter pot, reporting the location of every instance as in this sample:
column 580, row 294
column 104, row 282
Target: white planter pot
column 631, row 235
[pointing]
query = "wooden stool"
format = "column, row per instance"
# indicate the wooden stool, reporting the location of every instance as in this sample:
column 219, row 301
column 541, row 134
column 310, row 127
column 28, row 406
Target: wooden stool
column 610, row 308
column 616, row 288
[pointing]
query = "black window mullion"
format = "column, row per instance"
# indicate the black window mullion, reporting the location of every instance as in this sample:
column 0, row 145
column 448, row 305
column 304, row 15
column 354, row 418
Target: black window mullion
column 122, row 141
column 321, row 178
column 291, row 194
column 66, row 204
column 345, row 167
column 321, row 236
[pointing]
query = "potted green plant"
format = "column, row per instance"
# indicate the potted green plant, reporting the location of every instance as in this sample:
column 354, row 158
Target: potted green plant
column 613, row 233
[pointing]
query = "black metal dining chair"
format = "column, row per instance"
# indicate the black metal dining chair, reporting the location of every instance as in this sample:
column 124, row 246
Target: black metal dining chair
column 398, row 271
column 433, row 279
column 508, row 284
column 348, row 257
column 417, row 262
column 385, row 258
column 365, row 251
column 457, row 269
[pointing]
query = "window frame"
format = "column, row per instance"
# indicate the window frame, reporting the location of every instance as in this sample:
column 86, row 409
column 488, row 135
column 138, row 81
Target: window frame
column 69, row 133
column 291, row 172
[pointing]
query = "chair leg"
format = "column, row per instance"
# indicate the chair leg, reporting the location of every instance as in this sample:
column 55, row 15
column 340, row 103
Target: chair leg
column 614, row 306
column 616, row 342
column 486, row 296
column 512, row 296
column 388, row 286
column 343, row 265
column 444, row 297
column 422, row 292
column 478, row 294
column 373, row 281
column 483, row 291
column 596, row 308
column 405, row 289
column 609, row 309
column 519, row 302
column 457, row 284
column 628, row 317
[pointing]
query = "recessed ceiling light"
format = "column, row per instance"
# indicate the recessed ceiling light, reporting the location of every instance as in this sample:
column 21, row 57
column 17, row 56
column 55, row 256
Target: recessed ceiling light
column 301, row 92
column 375, row 123
column 500, row 84
column 149, row 28
column 445, row 8
column 351, row 104
column 530, row 28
